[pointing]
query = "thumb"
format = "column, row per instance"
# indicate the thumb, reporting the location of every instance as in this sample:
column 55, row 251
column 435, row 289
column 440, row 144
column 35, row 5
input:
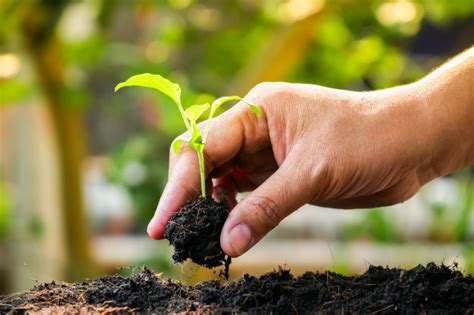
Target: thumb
column 258, row 214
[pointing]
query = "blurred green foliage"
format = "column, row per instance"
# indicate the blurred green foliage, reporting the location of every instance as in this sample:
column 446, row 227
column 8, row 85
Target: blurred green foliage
column 13, row 91
column 138, row 166
column 5, row 211
column 374, row 226
column 466, row 204
column 470, row 259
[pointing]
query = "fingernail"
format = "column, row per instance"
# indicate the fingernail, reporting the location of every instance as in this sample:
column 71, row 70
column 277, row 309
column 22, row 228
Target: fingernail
column 240, row 238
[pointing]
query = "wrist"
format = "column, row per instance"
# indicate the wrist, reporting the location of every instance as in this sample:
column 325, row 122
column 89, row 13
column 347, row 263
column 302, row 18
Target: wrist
column 433, row 119
column 448, row 97
column 407, row 120
column 452, row 138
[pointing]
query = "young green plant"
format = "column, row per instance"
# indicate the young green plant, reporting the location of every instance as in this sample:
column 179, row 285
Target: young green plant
column 189, row 115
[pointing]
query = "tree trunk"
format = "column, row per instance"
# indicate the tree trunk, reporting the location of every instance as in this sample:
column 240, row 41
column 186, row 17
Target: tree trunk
column 45, row 49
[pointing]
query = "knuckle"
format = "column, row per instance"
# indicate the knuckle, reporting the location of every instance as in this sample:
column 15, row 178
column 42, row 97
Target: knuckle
column 268, row 88
column 262, row 87
column 265, row 211
column 408, row 190
column 267, row 94
column 321, row 180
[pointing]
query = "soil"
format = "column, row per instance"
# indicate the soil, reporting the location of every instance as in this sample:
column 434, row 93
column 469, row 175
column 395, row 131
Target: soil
column 432, row 289
column 194, row 231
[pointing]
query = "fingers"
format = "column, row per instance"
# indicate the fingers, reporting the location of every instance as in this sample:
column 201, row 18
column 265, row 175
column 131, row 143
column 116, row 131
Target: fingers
column 232, row 132
column 227, row 136
column 259, row 213
column 224, row 188
column 261, row 161
column 183, row 185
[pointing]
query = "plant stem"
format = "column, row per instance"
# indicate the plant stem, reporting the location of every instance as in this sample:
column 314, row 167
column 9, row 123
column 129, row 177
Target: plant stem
column 202, row 171
column 183, row 115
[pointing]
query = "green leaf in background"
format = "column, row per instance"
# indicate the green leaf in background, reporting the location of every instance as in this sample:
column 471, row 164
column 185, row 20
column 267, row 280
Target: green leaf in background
column 154, row 81
column 5, row 210
column 194, row 112
column 13, row 91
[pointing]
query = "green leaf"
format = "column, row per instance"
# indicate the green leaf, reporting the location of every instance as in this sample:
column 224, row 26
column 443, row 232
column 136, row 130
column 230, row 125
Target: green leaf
column 176, row 145
column 196, row 138
column 154, row 81
column 255, row 108
column 221, row 100
column 194, row 112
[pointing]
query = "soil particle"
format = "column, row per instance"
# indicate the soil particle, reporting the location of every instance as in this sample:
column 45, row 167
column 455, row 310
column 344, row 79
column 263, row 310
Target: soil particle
column 194, row 231
column 432, row 289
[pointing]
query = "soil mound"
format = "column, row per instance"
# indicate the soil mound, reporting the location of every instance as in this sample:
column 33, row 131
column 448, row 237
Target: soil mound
column 428, row 289
column 194, row 231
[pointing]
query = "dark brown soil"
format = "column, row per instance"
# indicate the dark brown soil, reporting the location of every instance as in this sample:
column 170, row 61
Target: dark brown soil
column 428, row 290
column 194, row 231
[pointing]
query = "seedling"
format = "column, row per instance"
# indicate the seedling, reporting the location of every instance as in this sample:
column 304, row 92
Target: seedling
column 189, row 115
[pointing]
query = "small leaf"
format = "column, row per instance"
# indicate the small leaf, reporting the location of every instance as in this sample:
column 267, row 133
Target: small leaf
column 176, row 145
column 255, row 108
column 196, row 138
column 221, row 100
column 154, row 81
column 194, row 112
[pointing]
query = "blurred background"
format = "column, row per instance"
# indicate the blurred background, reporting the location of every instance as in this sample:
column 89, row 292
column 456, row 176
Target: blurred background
column 82, row 168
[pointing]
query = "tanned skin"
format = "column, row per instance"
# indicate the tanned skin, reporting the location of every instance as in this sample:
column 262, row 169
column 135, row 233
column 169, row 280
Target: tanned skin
column 327, row 147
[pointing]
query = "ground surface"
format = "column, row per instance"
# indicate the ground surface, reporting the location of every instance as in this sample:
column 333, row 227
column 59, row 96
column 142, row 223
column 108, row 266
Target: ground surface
column 431, row 289
column 194, row 232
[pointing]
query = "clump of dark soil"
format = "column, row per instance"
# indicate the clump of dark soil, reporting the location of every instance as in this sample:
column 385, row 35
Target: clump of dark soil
column 428, row 290
column 194, row 231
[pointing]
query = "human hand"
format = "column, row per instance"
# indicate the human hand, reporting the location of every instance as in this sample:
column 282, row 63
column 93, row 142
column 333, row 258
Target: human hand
column 313, row 145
